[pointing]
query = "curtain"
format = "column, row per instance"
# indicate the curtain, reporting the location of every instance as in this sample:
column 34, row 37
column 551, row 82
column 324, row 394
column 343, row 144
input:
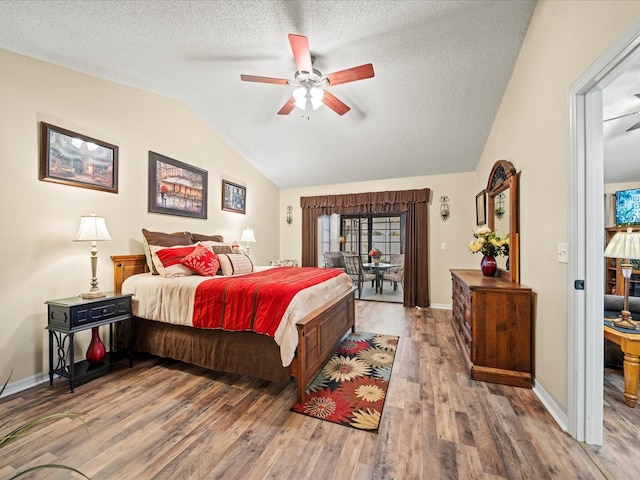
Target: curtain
column 412, row 202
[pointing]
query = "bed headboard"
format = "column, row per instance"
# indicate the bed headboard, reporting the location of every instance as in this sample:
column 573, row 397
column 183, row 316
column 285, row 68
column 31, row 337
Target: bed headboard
column 126, row 265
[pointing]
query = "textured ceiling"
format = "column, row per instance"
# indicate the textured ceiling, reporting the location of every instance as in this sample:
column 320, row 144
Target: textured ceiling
column 621, row 147
column 441, row 68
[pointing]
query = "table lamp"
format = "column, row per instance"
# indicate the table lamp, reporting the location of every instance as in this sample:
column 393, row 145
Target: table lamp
column 625, row 245
column 247, row 237
column 93, row 229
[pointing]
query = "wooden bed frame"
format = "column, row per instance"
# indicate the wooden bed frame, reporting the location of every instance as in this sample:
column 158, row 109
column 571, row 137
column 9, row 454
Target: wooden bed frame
column 319, row 333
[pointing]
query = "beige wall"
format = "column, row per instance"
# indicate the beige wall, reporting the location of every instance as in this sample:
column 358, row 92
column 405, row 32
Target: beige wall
column 455, row 233
column 40, row 219
column 531, row 129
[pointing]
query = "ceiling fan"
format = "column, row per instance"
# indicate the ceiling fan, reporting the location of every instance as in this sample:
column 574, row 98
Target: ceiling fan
column 309, row 84
column 635, row 126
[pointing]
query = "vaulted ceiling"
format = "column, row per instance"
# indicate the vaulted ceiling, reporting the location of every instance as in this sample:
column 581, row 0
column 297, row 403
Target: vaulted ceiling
column 441, row 68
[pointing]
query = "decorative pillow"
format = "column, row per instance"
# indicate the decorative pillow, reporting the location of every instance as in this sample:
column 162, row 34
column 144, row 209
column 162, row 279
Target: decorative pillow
column 197, row 237
column 235, row 264
column 202, row 260
column 284, row 263
column 162, row 239
column 167, row 260
column 217, row 247
column 238, row 249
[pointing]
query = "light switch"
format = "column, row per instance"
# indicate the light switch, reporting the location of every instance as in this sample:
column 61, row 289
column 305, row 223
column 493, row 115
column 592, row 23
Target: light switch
column 563, row 249
column 443, row 246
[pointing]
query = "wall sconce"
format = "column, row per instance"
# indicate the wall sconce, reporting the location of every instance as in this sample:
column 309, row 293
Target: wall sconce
column 444, row 208
column 289, row 214
column 500, row 206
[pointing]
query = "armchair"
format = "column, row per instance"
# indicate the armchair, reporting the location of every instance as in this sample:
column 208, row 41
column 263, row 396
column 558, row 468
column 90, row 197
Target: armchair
column 353, row 267
column 396, row 274
column 332, row 260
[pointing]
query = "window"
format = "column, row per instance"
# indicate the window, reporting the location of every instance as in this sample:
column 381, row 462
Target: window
column 364, row 232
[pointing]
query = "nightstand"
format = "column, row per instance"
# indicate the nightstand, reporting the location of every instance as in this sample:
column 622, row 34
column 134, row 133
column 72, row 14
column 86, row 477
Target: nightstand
column 67, row 316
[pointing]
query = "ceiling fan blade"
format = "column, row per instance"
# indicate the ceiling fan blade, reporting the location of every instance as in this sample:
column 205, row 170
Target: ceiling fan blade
column 351, row 74
column 633, row 127
column 301, row 54
column 254, row 78
column 287, row 107
column 334, row 104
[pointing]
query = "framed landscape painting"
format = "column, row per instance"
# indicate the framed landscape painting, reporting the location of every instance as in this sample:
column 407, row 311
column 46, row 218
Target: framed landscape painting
column 176, row 188
column 234, row 197
column 74, row 159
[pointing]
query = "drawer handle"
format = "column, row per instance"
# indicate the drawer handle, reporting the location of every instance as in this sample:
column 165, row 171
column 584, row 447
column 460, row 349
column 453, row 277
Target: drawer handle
column 105, row 311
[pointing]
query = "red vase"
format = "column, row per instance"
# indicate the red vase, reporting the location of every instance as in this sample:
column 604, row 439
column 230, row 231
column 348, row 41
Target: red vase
column 96, row 351
column 489, row 266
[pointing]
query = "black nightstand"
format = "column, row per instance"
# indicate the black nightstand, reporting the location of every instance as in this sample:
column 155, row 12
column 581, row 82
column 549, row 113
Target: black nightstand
column 67, row 316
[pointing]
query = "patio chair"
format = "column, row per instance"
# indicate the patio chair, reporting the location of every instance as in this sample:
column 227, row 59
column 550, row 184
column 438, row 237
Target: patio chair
column 332, row 260
column 353, row 267
column 396, row 274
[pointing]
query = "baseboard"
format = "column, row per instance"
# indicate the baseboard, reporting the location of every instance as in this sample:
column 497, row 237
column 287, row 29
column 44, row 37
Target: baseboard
column 558, row 414
column 25, row 383
column 441, row 306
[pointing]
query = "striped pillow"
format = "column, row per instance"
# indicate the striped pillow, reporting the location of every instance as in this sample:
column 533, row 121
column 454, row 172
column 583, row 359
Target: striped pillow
column 235, row 264
column 166, row 260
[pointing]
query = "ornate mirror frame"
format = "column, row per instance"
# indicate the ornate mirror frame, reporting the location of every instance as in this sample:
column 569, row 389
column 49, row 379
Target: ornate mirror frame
column 504, row 179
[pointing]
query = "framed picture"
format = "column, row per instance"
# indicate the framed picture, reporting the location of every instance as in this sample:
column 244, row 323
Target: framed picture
column 234, row 197
column 481, row 208
column 73, row 159
column 176, row 188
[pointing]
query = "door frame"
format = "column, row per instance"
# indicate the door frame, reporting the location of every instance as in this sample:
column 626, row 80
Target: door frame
column 585, row 356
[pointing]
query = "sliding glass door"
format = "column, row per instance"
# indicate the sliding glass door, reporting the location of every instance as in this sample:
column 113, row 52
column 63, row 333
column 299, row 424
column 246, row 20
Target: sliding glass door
column 363, row 232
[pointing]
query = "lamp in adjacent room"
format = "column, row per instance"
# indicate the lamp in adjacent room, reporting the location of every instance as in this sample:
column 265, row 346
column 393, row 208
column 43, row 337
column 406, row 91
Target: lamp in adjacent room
column 625, row 245
column 93, row 229
column 247, row 237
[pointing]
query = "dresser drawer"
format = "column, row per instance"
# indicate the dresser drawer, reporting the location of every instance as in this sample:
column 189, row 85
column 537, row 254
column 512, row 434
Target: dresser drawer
column 68, row 317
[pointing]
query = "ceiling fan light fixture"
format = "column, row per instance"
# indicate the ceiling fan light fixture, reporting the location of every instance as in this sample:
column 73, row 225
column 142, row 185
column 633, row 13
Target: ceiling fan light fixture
column 308, row 98
column 309, row 83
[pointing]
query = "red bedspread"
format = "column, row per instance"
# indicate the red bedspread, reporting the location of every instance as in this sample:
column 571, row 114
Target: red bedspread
column 256, row 301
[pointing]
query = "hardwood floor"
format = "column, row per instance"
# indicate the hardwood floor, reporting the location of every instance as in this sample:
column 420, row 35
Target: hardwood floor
column 168, row 420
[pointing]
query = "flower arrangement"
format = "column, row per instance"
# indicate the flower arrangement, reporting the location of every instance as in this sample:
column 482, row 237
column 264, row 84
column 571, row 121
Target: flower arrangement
column 489, row 243
column 375, row 253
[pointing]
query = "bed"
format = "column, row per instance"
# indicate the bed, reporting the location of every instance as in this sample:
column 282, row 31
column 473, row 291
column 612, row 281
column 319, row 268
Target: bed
column 245, row 352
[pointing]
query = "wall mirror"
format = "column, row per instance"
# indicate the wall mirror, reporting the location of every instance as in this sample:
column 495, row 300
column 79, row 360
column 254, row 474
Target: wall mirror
column 502, row 214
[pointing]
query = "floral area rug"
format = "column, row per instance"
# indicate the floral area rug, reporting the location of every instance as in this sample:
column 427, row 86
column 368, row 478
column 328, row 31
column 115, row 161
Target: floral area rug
column 352, row 386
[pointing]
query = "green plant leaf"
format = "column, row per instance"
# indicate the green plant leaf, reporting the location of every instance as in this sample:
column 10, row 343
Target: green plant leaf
column 50, row 465
column 22, row 429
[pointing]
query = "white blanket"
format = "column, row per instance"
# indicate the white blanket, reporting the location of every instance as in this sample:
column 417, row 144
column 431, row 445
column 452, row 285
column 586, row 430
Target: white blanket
column 171, row 300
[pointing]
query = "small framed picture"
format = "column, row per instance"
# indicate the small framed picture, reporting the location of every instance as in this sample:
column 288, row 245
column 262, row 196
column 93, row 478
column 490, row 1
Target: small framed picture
column 74, row 159
column 481, row 208
column 234, row 197
column 176, row 188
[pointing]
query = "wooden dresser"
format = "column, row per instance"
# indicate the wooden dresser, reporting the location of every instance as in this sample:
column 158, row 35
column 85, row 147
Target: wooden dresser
column 492, row 324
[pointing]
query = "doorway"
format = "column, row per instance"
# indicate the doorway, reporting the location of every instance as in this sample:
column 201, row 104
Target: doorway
column 586, row 239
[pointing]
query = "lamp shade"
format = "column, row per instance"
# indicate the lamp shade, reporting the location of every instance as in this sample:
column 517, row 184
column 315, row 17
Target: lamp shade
column 247, row 236
column 624, row 245
column 92, row 229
